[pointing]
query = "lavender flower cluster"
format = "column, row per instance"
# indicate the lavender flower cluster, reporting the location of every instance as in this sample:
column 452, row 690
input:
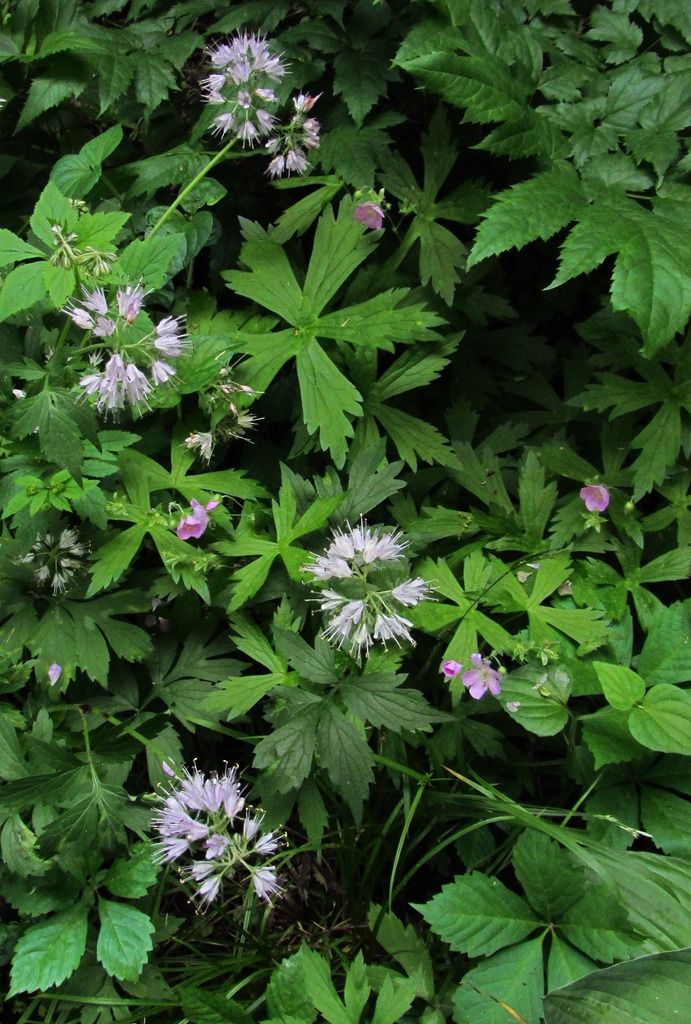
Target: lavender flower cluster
column 366, row 607
column 205, row 818
column 120, row 381
column 241, row 83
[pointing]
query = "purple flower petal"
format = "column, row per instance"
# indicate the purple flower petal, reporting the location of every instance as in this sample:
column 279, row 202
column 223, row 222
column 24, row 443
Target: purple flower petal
column 595, row 497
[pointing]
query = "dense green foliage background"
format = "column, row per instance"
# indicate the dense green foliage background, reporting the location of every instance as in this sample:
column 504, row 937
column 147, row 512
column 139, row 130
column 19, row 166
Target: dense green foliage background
column 514, row 333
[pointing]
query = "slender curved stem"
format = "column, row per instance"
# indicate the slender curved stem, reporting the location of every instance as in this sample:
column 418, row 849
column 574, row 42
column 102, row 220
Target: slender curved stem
column 192, row 185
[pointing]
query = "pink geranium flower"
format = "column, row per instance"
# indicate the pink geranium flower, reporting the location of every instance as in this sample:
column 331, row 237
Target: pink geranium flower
column 194, row 525
column 451, row 669
column 595, row 496
column 370, row 214
column 481, row 679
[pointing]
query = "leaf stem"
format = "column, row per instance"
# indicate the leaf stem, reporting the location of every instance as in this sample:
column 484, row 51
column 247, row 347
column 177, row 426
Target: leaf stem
column 189, row 187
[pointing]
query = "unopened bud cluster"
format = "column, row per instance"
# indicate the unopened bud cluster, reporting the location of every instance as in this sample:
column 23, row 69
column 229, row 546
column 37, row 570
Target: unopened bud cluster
column 55, row 559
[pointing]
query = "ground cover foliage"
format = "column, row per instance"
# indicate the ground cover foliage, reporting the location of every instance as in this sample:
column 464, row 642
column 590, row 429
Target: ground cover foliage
column 261, row 431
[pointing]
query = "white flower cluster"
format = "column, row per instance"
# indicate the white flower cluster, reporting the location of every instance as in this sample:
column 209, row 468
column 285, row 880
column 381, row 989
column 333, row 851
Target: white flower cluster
column 241, row 85
column 367, row 605
column 203, row 817
column 121, row 381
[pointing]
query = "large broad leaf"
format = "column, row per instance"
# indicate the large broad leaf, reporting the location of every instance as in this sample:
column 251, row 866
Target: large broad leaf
column 662, row 721
column 49, row 952
column 124, row 939
column 478, row 915
column 647, row 990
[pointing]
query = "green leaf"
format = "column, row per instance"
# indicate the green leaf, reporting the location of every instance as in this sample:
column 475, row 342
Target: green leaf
column 13, row 249
column 536, row 699
column 665, row 655
column 340, row 245
column 318, row 663
column 376, row 699
column 345, row 756
column 112, row 559
column 394, row 999
column 666, row 817
column 621, row 687
column 507, row 984
column 48, row 92
column 149, row 259
column 606, row 734
column 49, row 952
column 76, row 174
column 153, row 80
column 548, row 874
column 406, row 947
column 204, row 1007
column 285, row 993
column 12, row 764
column 133, row 877
column 662, row 721
column 319, row 987
column 649, row 280
column 360, row 77
column 18, row 845
column 648, row 990
column 124, row 939
column 314, row 816
column 478, row 915
column 326, row 397
column 271, row 281
column 61, row 424
column 22, row 288
column 52, row 208
column 565, row 964
column 532, row 209
column 288, row 751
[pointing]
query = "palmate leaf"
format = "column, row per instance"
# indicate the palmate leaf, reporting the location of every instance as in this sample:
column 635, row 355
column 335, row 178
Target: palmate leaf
column 329, row 399
column 327, row 395
column 650, row 279
column 533, row 209
column 478, row 915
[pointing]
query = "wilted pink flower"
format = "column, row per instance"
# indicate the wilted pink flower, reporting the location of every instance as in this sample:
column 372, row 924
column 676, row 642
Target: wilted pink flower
column 197, row 521
column 482, row 678
column 369, row 214
column 451, row 669
column 54, row 673
column 595, row 496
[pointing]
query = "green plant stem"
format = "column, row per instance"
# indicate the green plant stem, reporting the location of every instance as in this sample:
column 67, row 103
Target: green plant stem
column 188, row 188
column 386, row 762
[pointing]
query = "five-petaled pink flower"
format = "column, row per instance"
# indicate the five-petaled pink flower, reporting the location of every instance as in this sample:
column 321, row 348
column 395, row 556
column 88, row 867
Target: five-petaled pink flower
column 482, row 678
column 451, row 669
column 370, row 214
column 196, row 523
column 595, row 496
